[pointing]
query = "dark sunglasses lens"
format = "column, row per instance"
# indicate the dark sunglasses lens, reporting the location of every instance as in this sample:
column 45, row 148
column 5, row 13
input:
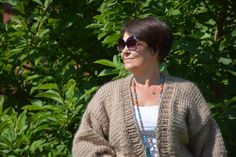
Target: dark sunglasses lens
column 121, row 45
column 131, row 43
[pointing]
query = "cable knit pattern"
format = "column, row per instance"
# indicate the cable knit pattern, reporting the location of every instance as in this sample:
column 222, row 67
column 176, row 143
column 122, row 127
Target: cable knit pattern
column 185, row 125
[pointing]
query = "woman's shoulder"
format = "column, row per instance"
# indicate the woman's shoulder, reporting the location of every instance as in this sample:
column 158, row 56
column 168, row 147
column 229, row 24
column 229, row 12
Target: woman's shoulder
column 187, row 91
column 181, row 84
column 114, row 84
column 178, row 80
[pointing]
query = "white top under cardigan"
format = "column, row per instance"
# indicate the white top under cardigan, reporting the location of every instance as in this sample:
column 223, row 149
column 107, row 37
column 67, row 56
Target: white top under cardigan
column 149, row 116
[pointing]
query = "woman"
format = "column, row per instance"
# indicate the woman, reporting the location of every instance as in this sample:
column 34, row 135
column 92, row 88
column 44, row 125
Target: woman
column 147, row 113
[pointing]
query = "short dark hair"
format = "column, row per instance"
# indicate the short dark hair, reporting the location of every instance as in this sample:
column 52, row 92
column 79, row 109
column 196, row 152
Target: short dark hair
column 155, row 33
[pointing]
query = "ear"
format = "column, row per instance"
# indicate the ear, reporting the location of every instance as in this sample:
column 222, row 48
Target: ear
column 155, row 54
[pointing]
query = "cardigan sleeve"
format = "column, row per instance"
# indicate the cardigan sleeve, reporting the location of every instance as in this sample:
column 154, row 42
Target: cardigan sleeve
column 90, row 139
column 205, row 138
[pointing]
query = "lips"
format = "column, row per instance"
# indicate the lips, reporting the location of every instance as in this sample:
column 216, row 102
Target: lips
column 128, row 58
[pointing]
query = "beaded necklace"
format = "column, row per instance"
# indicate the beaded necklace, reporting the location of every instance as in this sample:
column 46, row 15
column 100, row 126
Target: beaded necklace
column 147, row 143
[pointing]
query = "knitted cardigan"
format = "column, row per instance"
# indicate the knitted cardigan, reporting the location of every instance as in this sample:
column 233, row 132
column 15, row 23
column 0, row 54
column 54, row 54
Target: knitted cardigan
column 185, row 125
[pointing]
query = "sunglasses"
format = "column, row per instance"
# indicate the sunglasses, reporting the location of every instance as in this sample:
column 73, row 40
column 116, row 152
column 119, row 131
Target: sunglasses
column 131, row 43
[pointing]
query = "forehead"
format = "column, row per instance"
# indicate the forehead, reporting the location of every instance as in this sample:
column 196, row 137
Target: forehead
column 126, row 36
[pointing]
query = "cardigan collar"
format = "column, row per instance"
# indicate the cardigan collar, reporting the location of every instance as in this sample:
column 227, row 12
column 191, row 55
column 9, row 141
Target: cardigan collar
column 133, row 135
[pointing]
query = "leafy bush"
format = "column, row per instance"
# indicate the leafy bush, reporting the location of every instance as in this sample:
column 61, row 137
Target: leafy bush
column 47, row 71
column 47, row 125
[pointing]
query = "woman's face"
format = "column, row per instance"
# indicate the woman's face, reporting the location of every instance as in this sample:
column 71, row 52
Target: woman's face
column 139, row 60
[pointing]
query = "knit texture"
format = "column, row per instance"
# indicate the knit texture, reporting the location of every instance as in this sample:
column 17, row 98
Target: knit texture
column 185, row 125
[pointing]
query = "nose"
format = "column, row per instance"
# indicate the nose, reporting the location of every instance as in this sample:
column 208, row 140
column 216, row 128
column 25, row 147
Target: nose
column 125, row 50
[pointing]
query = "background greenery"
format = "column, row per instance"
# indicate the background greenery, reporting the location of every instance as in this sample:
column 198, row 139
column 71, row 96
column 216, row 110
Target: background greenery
column 53, row 54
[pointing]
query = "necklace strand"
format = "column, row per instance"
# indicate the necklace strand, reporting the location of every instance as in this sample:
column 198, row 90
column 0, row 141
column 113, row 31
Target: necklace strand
column 146, row 143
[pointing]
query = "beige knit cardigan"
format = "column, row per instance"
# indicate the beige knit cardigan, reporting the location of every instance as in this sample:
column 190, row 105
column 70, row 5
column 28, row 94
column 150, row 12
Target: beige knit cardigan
column 185, row 125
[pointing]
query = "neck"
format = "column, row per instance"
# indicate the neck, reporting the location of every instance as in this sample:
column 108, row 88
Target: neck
column 148, row 78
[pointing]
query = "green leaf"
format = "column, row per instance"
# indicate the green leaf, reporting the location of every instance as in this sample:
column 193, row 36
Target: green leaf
column 7, row 138
column 233, row 33
column 19, row 20
column 99, row 18
column 12, row 2
column 47, row 86
column 163, row 67
column 52, row 107
column 95, row 25
column 44, row 86
column 29, row 78
column 42, row 127
column 70, row 92
column 32, row 90
column 81, row 15
column 1, row 103
column 3, row 125
column 101, row 35
column 38, row 2
column 37, row 102
column 36, row 144
column 47, row 3
column 174, row 12
column 51, row 94
column 106, row 72
column 46, row 79
column 225, row 61
column 146, row 4
column 232, row 72
column 32, row 107
column 130, row 1
column 206, row 36
column 87, row 94
column 4, row 146
column 116, row 61
column 21, row 121
column 42, row 33
column 15, row 51
column 105, row 62
column 111, row 40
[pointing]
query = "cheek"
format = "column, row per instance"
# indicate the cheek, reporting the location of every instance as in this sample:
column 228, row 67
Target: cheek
column 147, row 56
column 122, row 56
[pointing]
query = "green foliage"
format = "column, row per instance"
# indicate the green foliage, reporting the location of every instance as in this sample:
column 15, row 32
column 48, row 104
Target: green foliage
column 46, row 126
column 49, row 60
column 46, row 41
column 43, row 50
column 116, row 64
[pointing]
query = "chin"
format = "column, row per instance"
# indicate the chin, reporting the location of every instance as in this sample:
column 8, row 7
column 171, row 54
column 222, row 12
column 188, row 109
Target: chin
column 130, row 68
